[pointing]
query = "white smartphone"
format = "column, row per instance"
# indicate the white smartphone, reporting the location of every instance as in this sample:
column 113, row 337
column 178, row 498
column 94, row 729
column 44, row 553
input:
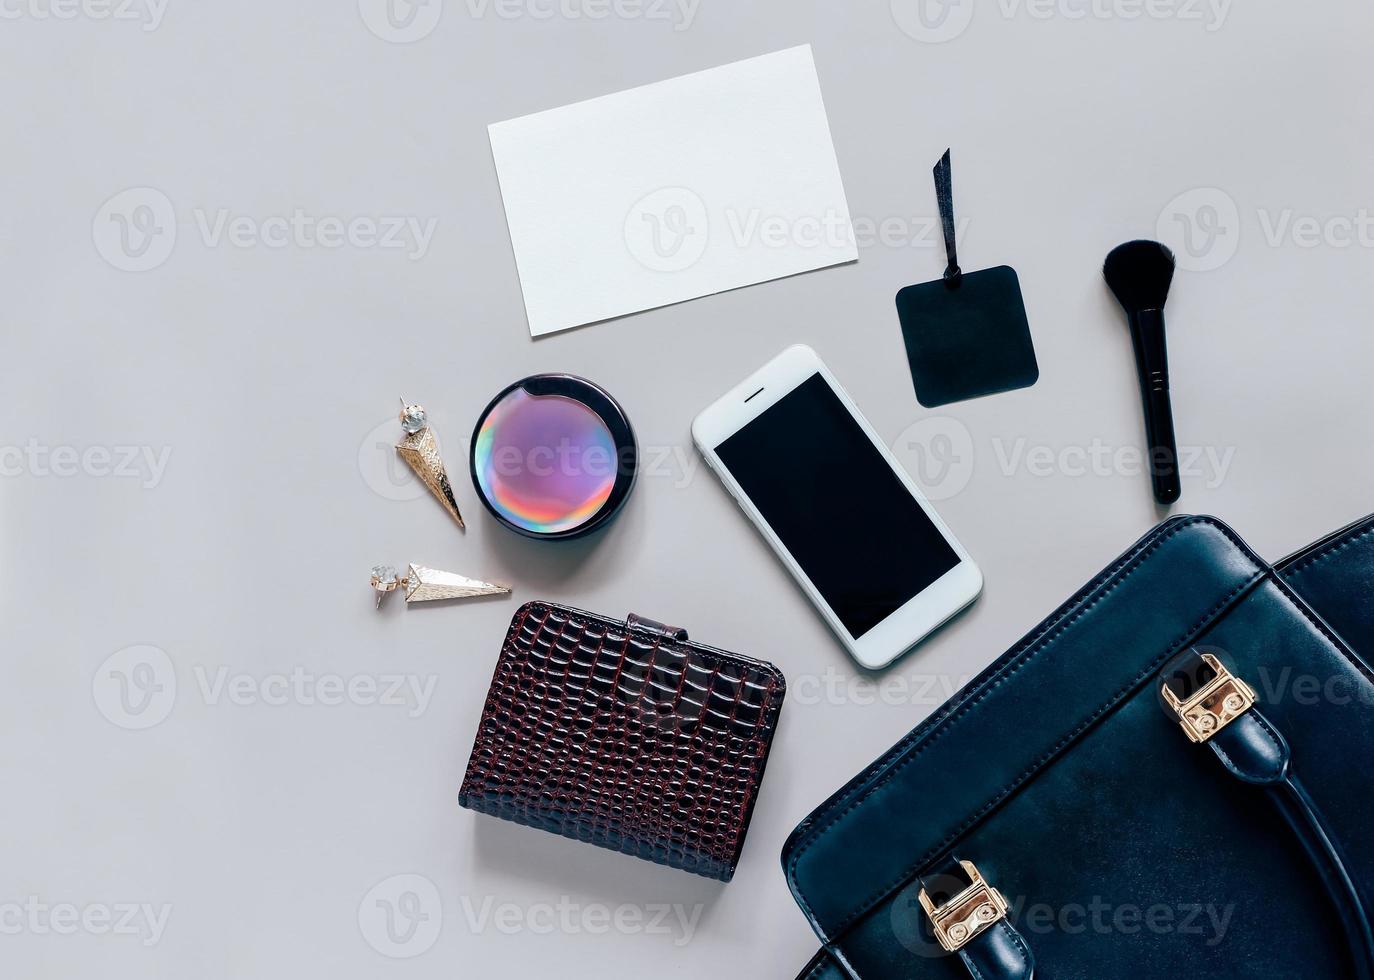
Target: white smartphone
column 864, row 544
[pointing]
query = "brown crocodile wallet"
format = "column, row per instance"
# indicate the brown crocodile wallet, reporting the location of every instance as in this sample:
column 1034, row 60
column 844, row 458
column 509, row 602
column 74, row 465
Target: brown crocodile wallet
column 625, row 735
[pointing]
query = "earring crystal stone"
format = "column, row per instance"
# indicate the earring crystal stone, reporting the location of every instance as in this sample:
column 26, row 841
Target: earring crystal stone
column 413, row 418
column 384, row 581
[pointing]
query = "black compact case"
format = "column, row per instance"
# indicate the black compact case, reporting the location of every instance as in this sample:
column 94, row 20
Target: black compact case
column 612, row 415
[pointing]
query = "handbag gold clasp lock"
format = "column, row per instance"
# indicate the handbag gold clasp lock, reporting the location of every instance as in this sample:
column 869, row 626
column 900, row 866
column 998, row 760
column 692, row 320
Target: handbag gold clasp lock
column 966, row 914
column 1217, row 703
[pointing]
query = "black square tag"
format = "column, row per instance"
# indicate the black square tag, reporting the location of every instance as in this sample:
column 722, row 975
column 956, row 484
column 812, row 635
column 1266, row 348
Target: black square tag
column 967, row 340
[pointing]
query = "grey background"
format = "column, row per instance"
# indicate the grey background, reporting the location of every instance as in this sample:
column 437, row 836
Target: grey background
column 269, row 376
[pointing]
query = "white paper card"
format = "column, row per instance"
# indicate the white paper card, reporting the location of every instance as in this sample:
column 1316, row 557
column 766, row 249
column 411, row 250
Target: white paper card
column 675, row 190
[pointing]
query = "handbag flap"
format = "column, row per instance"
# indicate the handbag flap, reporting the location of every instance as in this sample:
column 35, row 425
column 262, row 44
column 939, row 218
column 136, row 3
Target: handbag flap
column 906, row 809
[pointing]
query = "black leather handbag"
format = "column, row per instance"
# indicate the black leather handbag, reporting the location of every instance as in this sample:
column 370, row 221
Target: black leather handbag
column 1168, row 777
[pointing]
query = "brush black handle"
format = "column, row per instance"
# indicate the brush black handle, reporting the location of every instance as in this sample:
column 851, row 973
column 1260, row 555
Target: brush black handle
column 1152, row 363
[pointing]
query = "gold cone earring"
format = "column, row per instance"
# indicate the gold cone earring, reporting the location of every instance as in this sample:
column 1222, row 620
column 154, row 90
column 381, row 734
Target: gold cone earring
column 429, row 584
column 421, row 451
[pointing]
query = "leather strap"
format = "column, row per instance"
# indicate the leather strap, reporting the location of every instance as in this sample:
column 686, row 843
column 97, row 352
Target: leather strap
column 998, row 952
column 1252, row 750
column 634, row 621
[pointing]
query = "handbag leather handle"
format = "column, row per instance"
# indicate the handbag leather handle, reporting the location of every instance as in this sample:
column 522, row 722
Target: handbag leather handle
column 1218, row 710
column 1253, row 752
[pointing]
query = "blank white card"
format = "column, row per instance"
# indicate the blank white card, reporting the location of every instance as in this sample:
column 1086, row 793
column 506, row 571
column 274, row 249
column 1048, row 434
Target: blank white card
column 675, row 190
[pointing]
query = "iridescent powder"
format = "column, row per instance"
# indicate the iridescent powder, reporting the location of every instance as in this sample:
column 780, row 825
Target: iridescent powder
column 546, row 463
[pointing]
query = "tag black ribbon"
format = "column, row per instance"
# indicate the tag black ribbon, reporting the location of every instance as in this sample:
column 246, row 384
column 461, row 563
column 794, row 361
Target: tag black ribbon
column 944, row 195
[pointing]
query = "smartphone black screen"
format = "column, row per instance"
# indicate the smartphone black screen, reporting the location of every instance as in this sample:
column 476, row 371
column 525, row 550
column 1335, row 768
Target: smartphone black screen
column 844, row 515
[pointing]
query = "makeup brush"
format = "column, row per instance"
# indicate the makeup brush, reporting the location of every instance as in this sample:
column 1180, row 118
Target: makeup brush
column 1139, row 274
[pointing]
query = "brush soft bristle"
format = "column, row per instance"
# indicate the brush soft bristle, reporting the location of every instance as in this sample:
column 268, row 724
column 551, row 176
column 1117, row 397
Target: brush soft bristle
column 1139, row 273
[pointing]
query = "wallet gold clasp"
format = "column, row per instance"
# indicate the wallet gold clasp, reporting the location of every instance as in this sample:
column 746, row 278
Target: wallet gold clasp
column 1217, row 703
column 967, row 914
